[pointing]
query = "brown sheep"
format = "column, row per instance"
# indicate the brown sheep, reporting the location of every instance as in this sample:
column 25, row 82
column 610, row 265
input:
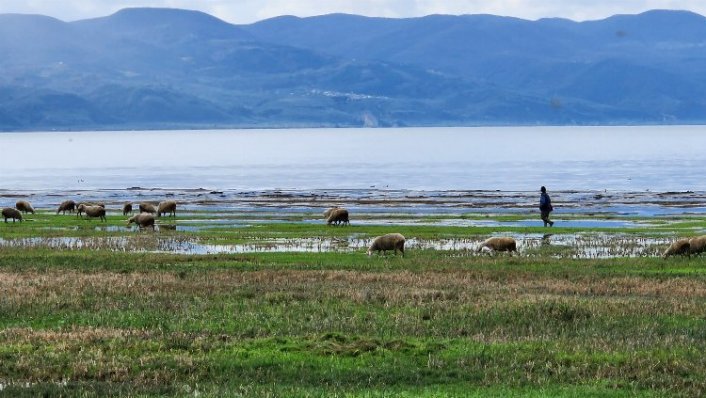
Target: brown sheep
column 167, row 207
column 82, row 206
column 697, row 244
column 94, row 212
column 100, row 204
column 24, row 206
column 14, row 214
column 127, row 209
column 338, row 216
column 80, row 209
column 143, row 220
column 328, row 212
column 499, row 244
column 680, row 247
column 67, row 205
column 146, row 207
column 387, row 242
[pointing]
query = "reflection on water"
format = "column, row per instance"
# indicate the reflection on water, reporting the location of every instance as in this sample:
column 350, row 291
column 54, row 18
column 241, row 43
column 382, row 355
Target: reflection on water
column 569, row 246
column 513, row 158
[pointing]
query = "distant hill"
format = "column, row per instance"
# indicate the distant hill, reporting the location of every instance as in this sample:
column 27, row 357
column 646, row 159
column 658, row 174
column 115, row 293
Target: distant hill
column 170, row 68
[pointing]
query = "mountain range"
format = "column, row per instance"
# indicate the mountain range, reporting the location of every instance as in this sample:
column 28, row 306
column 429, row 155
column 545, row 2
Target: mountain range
column 153, row 68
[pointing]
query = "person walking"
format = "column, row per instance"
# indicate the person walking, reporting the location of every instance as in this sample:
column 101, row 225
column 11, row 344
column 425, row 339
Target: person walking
column 545, row 207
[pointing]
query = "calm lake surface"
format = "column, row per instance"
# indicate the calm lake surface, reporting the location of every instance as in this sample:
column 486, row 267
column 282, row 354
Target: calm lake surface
column 664, row 158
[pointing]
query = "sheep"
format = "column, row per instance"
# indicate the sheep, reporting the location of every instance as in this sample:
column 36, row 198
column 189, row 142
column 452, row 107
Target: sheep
column 95, row 211
column 338, row 216
column 146, row 207
column 328, row 212
column 24, row 206
column 167, row 207
column 697, row 244
column 143, row 220
column 80, row 209
column 82, row 206
column 67, row 205
column 680, row 247
column 14, row 214
column 127, row 208
column 100, row 204
column 387, row 242
column 500, row 244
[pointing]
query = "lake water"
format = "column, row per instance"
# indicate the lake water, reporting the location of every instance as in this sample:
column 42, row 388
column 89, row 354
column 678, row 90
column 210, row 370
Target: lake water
column 664, row 158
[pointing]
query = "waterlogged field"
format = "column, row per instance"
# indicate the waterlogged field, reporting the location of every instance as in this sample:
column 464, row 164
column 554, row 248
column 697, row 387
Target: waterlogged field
column 267, row 300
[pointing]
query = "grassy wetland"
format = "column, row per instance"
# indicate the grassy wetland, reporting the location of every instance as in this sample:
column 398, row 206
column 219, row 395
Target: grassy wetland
column 231, row 300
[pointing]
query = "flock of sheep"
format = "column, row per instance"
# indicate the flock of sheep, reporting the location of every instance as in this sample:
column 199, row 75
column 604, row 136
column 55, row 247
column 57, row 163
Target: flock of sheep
column 334, row 216
column 144, row 219
column 396, row 241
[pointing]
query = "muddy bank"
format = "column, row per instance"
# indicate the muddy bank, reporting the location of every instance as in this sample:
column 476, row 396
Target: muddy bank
column 372, row 201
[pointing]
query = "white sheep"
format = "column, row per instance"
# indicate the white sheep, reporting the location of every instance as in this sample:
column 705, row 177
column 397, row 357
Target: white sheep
column 499, row 244
column 387, row 242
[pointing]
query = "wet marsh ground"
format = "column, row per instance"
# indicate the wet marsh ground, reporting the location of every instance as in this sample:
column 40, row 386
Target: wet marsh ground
column 263, row 302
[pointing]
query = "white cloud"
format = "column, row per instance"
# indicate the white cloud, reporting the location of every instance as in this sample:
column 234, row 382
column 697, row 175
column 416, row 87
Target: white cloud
column 246, row 11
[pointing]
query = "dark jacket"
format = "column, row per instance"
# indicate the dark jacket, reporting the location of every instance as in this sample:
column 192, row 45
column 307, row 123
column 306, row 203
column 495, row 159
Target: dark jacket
column 545, row 203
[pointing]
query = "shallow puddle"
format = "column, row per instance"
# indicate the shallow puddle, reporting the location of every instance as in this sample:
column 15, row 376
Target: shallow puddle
column 560, row 245
column 598, row 245
column 204, row 224
column 311, row 245
column 69, row 243
column 461, row 222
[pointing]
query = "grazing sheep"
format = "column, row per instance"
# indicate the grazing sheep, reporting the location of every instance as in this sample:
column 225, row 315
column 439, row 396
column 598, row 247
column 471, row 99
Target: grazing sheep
column 680, row 247
column 14, row 214
column 338, row 216
column 328, row 212
column 100, row 204
column 387, row 242
column 146, row 207
column 499, row 244
column 167, row 207
column 143, row 220
column 82, row 206
column 95, row 211
column 697, row 245
column 127, row 209
column 24, row 206
column 67, row 205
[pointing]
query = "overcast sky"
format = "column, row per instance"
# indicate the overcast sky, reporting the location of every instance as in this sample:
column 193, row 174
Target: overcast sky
column 246, row 11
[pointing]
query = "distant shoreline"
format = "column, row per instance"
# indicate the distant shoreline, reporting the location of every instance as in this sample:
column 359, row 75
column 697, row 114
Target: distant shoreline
column 626, row 203
column 205, row 127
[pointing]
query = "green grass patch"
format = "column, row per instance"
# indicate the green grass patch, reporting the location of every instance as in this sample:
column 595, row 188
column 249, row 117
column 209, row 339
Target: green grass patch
column 109, row 322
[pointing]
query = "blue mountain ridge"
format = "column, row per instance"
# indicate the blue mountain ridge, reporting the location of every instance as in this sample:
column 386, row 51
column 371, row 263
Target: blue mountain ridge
column 145, row 68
